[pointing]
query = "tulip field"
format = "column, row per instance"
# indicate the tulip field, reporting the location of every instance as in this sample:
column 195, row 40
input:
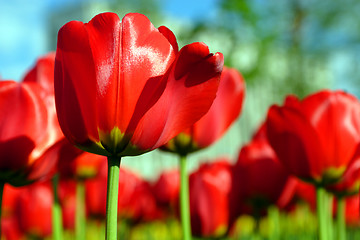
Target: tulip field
column 118, row 86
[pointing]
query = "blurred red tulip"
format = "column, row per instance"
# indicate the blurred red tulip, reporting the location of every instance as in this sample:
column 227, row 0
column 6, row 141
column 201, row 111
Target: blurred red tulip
column 26, row 147
column 261, row 179
column 213, row 125
column 43, row 75
column 9, row 224
column 9, row 199
column 122, row 88
column 95, row 193
column 67, row 198
column 166, row 188
column 209, row 189
column 136, row 201
column 307, row 192
column 74, row 163
column 316, row 138
column 33, row 209
column 10, row 228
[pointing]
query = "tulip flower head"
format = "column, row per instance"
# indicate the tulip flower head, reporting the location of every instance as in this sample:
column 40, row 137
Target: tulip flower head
column 76, row 164
column 25, row 144
column 34, row 208
column 259, row 177
column 212, row 126
column 122, row 88
column 210, row 187
column 317, row 137
column 166, row 188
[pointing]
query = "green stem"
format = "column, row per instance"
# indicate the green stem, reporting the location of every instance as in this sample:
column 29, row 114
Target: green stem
column 80, row 218
column 112, row 198
column 56, row 211
column 340, row 219
column 330, row 225
column 321, row 213
column 274, row 217
column 184, row 200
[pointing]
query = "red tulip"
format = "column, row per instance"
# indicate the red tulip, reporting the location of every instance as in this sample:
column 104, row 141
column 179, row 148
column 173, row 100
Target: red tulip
column 318, row 137
column 210, row 187
column 135, row 199
column 352, row 212
column 74, row 163
column 34, row 209
column 307, row 192
column 26, row 147
column 122, row 88
column 67, row 198
column 9, row 224
column 10, row 228
column 43, row 74
column 212, row 126
column 262, row 179
column 166, row 188
column 141, row 204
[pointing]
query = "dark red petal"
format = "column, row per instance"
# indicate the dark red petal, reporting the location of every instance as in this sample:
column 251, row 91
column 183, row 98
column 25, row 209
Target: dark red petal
column 75, row 84
column 170, row 37
column 294, row 141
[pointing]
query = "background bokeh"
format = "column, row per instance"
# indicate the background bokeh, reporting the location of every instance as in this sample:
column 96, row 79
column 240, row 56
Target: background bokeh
column 280, row 46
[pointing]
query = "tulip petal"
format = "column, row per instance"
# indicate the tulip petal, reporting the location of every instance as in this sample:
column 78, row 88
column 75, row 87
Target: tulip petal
column 75, row 84
column 291, row 135
column 43, row 73
column 187, row 97
column 223, row 112
column 337, row 115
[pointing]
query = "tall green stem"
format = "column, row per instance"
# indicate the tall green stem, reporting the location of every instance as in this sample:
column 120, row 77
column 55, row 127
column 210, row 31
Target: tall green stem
column 80, row 218
column 112, row 198
column 184, row 200
column 321, row 209
column 56, row 211
column 330, row 225
column 340, row 219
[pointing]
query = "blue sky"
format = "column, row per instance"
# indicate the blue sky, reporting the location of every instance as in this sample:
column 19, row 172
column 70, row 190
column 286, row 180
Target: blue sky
column 23, row 33
column 23, row 36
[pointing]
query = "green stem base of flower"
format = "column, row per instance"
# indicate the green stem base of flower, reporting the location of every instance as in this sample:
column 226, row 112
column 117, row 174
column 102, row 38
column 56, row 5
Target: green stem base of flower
column 112, row 198
column 80, row 218
column 322, row 214
column 184, row 200
column 340, row 219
